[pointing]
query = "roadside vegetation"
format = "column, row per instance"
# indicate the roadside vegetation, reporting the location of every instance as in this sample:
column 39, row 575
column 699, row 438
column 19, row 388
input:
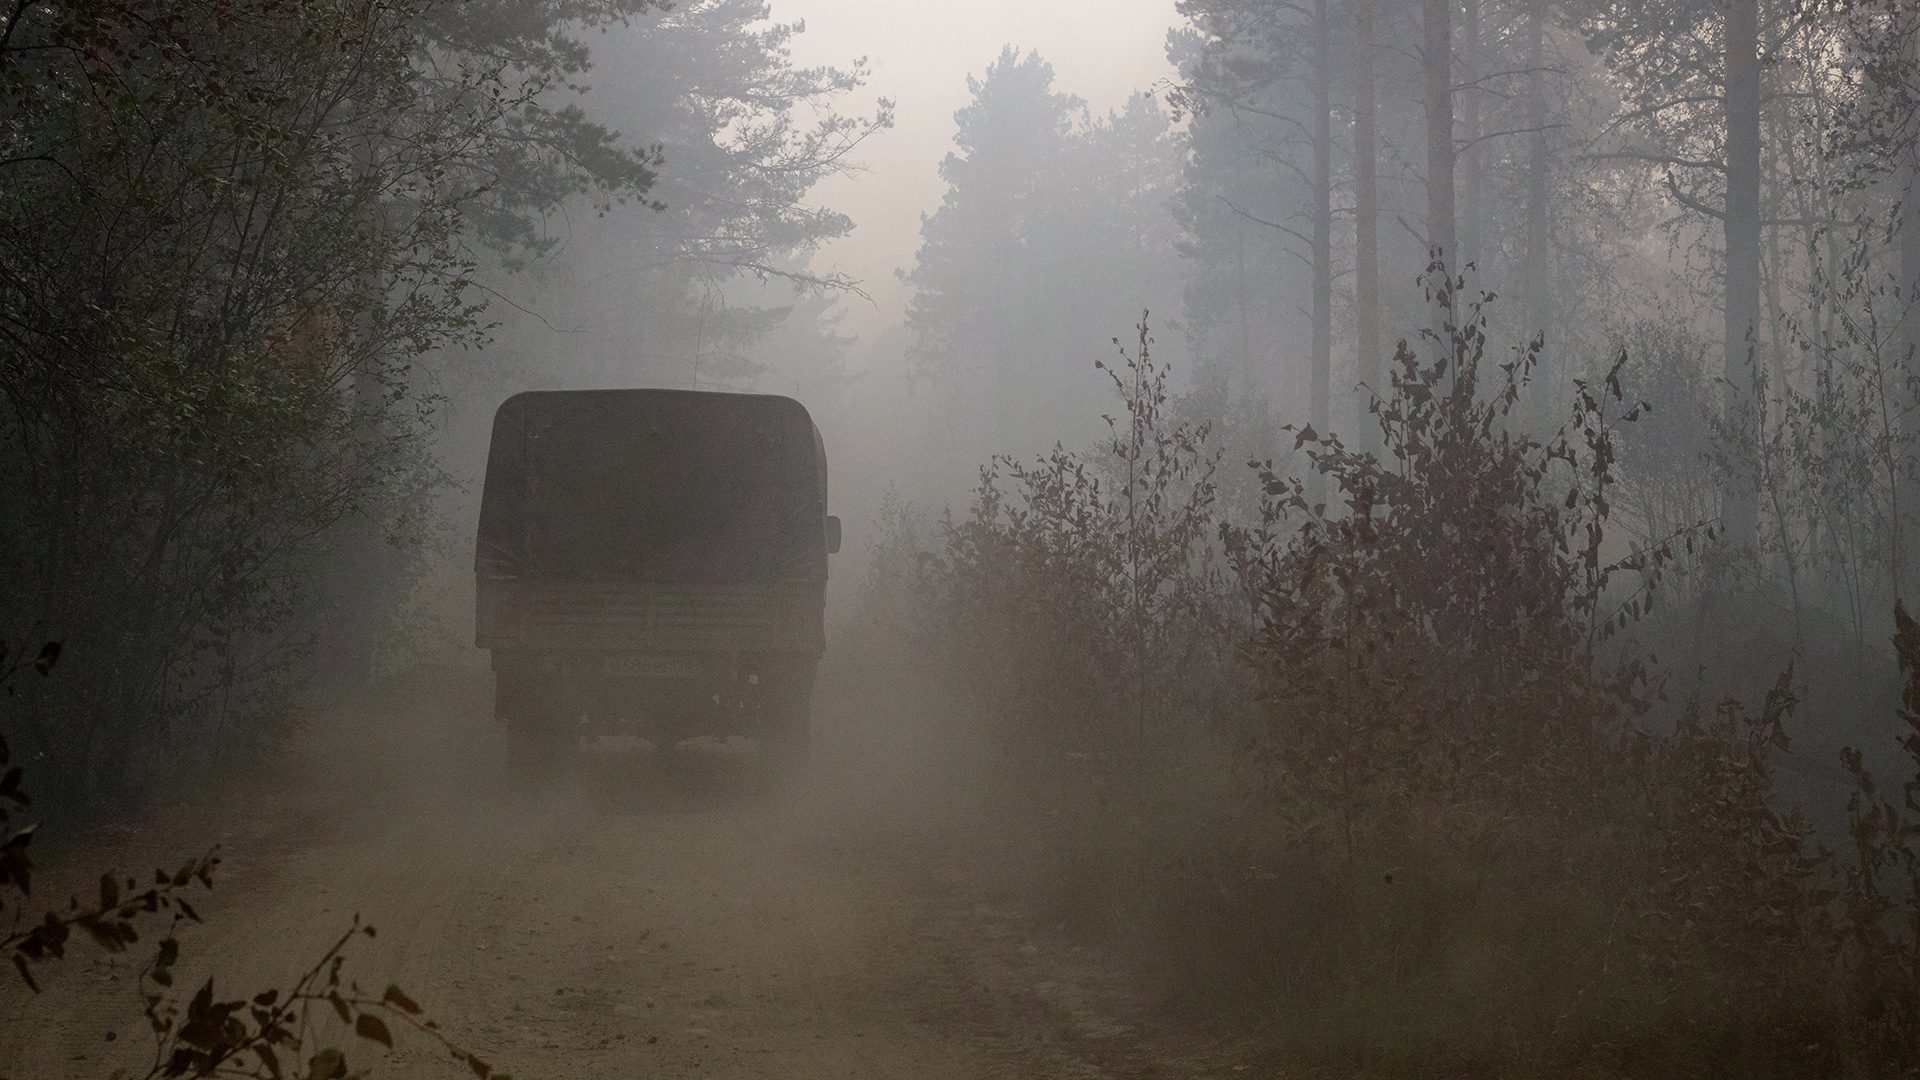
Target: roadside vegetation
column 298, row 1031
column 1386, row 769
column 247, row 250
column 1535, row 698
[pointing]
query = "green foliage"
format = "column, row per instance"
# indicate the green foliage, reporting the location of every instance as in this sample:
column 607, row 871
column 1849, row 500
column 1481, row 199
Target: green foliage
column 1083, row 596
column 230, row 231
column 1437, row 631
column 744, row 135
column 110, row 922
column 539, row 148
column 1052, row 225
column 1882, row 892
column 266, row 1035
column 1389, row 785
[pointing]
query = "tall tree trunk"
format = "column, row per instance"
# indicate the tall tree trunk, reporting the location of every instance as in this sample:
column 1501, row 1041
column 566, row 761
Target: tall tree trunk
column 1534, row 291
column 1739, row 512
column 1470, row 130
column 1437, row 58
column 1907, row 345
column 1322, row 220
column 1248, row 377
column 1772, row 270
column 358, row 573
column 1366, row 210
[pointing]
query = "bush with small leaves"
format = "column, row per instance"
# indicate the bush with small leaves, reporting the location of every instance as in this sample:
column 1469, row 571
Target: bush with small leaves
column 1447, row 829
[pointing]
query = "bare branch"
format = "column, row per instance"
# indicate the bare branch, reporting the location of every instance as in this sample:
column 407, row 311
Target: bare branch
column 1263, row 221
column 1653, row 159
column 1692, row 203
column 1504, row 134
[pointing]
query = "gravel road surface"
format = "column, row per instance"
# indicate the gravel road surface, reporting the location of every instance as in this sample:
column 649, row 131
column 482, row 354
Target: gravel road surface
column 640, row 915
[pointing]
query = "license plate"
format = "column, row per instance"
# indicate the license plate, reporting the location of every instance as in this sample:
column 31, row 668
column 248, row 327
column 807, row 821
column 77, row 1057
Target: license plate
column 656, row 667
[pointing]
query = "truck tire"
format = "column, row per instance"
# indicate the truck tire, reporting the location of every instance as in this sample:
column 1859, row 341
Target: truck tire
column 674, row 711
column 538, row 732
column 786, row 740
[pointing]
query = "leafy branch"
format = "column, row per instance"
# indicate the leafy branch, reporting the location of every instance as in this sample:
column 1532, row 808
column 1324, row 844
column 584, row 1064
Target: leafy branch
column 264, row 1036
column 257, row 1036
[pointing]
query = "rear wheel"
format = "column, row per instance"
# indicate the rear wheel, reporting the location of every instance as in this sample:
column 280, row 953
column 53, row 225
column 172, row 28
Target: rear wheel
column 673, row 710
column 539, row 728
column 786, row 739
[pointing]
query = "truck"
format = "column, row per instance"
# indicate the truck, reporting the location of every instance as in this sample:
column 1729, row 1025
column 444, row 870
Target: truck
column 653, row 563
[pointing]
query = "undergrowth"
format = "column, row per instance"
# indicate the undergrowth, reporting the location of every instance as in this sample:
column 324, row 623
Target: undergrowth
column 285, row 1032
column 1377, row 776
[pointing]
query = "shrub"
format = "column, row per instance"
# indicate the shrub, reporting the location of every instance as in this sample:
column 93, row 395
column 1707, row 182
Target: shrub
column 1380, row 772
column 1435, row 637
column 1086, row 601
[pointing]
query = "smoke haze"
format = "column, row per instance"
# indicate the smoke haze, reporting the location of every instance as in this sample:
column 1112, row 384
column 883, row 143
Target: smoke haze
column 883, row 538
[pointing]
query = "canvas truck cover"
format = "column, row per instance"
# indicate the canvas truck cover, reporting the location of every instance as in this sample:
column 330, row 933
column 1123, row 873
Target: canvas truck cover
column 653, row 485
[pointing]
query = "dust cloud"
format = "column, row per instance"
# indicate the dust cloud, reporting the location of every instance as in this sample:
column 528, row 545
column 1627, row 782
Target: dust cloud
column 905, row 539
column 663, row 913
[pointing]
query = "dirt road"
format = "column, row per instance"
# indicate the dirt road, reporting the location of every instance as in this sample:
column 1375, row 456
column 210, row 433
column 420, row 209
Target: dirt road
column 641, row 916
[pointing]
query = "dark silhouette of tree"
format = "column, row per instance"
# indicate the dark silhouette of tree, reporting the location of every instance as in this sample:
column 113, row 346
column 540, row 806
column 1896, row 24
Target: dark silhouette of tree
column 1053, row 224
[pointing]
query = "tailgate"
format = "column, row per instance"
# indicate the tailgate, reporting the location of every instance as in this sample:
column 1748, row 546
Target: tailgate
column 651, row 616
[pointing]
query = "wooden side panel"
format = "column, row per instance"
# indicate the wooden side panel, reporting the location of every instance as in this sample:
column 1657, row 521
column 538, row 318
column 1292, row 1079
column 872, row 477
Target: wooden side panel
column 641, row 616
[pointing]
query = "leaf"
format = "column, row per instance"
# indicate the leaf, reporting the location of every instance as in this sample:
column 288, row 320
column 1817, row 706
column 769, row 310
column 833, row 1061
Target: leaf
column 20, row 964
column 340, row 1006
column 49, row 655
column 397, row 998
column 328, row 1064
column 109, row 891
column 109, row 935
column 480, row 1068
column 373, row 1029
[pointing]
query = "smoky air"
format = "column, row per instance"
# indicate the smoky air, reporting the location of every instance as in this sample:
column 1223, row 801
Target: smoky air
column 831, row 538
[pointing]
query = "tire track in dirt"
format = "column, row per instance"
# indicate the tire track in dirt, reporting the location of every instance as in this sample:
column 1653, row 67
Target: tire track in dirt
column 641, row 916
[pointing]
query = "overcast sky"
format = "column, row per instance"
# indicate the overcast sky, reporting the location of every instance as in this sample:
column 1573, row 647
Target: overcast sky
column 921, row 52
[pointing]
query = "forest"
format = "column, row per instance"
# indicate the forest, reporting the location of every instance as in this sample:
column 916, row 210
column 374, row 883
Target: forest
column 1415, row 505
